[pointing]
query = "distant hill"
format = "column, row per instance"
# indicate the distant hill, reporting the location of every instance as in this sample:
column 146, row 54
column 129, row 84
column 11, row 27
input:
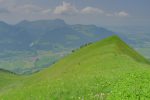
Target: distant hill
column 47, row 35
column 107, row 70
column 30, row 46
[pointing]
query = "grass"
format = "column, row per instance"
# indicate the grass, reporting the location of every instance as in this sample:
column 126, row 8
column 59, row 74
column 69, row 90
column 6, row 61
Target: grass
column 7, row 78
column 105, row 70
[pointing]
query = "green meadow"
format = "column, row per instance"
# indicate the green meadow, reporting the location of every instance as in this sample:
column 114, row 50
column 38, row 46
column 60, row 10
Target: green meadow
column 105, row 70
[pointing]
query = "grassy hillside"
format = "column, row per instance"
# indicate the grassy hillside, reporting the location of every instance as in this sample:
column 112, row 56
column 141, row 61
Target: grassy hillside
column 7, row 78
column 105, row 70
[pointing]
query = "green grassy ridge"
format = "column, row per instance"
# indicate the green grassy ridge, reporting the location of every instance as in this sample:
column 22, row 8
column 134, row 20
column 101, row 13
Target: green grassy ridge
column 123, row 47
column 107, row 69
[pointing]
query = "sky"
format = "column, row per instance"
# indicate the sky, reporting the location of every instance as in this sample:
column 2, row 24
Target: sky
column 98, row 12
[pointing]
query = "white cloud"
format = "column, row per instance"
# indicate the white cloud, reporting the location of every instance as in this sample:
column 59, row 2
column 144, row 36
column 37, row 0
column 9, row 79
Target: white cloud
column 47, row 11
column 30, row 9
column 91, row 10
column 118, row 14
column 65, row 9
column 122, row 14
column 69, row 9
column 27, row 8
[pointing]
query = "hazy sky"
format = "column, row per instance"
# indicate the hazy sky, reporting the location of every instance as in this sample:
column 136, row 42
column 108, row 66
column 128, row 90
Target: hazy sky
column 99, row 12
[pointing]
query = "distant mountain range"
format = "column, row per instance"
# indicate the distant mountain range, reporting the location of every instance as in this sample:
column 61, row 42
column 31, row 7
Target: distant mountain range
column 48, row 35
column 30, row 46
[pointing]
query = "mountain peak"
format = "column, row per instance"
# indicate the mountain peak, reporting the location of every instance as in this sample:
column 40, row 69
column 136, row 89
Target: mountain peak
column 113, row 38
column 123, row 48
column 24, row 21
column 57, row 22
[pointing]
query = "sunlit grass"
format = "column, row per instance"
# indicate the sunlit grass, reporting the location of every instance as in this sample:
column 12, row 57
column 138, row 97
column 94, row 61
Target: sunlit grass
column 108, row 69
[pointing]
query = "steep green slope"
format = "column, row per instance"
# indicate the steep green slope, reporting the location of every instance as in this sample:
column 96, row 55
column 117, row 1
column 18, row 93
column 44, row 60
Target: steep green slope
column 108, row 69
column 7, row 78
